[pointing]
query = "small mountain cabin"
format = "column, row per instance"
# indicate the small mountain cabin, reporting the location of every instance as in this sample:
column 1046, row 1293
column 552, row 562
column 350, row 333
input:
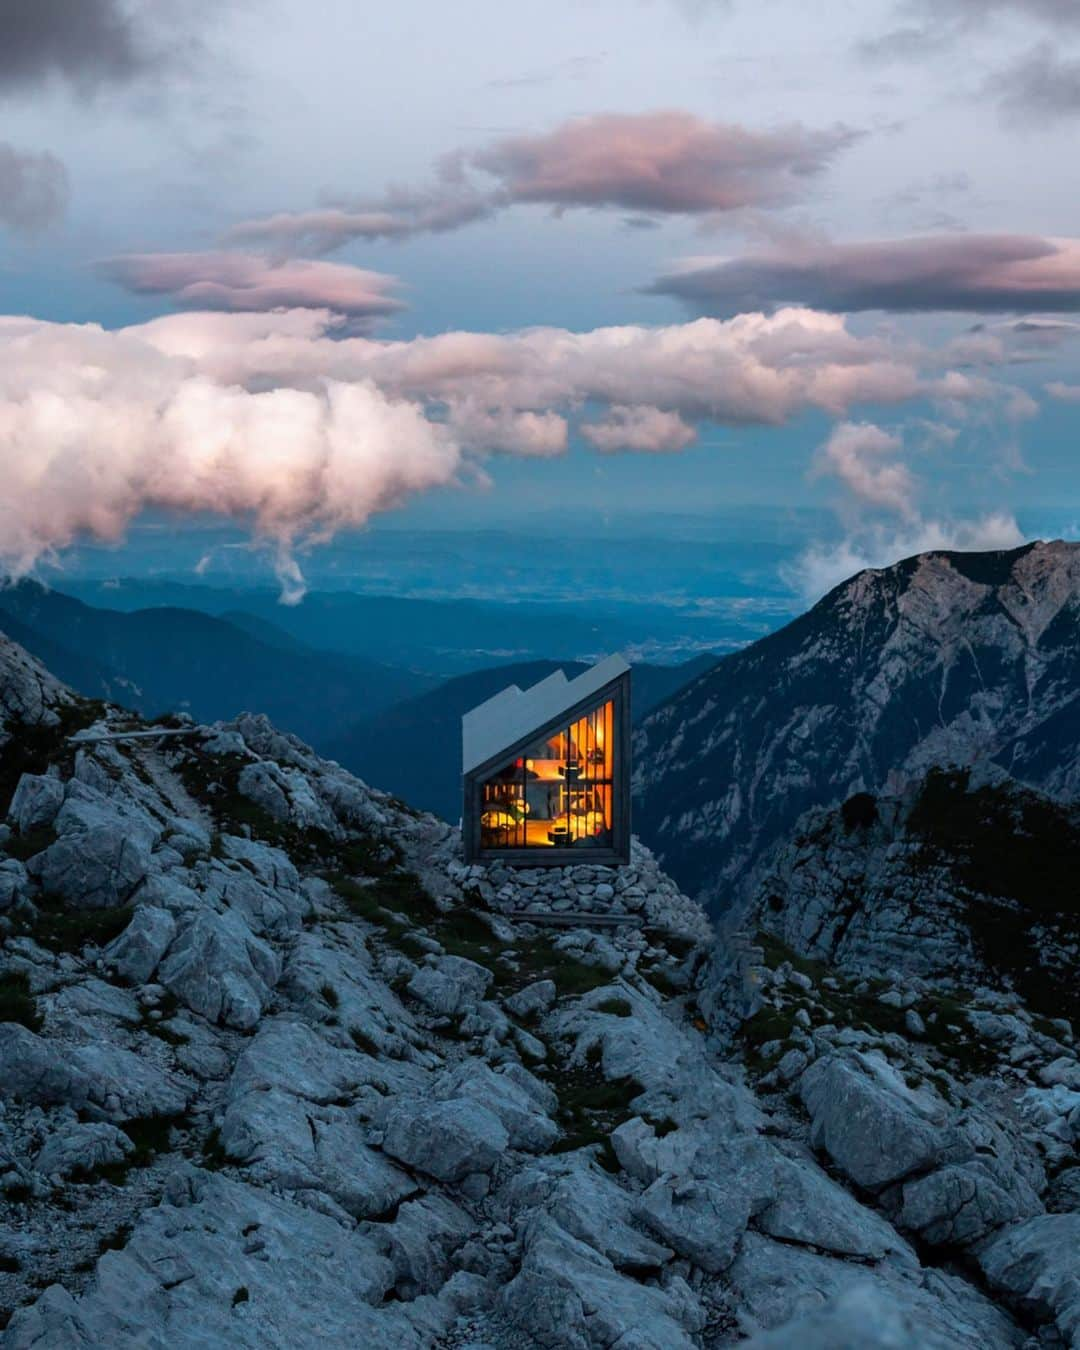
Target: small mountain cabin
column 547, row 771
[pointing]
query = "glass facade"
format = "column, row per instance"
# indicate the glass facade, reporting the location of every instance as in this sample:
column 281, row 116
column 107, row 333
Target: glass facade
column 559, row 793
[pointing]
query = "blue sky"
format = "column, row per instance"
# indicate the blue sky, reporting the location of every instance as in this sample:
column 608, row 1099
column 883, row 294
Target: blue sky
column 896, row 174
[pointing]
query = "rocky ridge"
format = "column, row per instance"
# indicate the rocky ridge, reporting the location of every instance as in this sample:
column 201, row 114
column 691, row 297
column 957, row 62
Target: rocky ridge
column 945, row 659
column 908, row 1011
column 279, row 1069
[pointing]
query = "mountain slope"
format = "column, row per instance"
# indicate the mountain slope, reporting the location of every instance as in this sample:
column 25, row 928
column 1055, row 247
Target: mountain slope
column 945, row 658
column 280, row 1070
column 414, row 749
column 182, row 659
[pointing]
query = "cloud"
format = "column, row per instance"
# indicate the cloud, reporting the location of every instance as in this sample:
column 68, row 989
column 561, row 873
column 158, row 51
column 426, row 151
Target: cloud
column 33, row 189
column 669, row 162
column 749, row 369
column 1066, row 393
column 926, row 27
column 86, row 42
column 285, row 422
column 660, row 163
column 984, row 273
column 96, row 426
column 824, row 566
column 864, row 458
column 243, row 282
column 881, row 507
column 1041, row 87
column 646, row 429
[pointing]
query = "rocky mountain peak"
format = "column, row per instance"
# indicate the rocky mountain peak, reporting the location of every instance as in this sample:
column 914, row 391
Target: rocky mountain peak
column 943, row 659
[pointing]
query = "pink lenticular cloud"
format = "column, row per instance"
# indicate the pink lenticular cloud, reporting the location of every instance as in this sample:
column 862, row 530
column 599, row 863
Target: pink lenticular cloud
column 242, row 282
column 671, row 162
column 664, row 163
column 978, row 273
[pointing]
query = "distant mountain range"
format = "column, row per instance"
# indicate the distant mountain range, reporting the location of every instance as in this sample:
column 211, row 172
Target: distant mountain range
column 168, row 659
column 439, row 637
column 414, row 749
column 390, row 725
column 944, row 659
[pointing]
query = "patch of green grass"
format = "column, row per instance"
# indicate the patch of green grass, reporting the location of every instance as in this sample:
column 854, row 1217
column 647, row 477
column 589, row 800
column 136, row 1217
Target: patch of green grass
column 1013, row 856
column 590, row 1106
column 539, row 959
column 63, row 929
column 767, row 1024
column 17, row 1003
column 34, row 747
column 777, row 952
column 149, row 1136
column 614, row 1007
column 403, row 892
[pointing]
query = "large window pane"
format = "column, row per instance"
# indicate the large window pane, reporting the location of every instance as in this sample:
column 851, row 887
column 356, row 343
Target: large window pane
column 558, row 794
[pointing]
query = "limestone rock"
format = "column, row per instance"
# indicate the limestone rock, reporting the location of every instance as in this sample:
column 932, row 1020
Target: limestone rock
column 447, row 1139
column 455, row 985
column 82, row 1148
column 221, row 970
column 102, row 851
column 135, row 954
column 36, row 801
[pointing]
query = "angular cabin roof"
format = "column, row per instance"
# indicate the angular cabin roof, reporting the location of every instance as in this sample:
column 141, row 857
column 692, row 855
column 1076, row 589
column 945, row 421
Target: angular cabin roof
column 513, row 714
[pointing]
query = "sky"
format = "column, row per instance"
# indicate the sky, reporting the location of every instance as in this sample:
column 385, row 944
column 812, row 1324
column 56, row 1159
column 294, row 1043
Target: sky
column 318, row 266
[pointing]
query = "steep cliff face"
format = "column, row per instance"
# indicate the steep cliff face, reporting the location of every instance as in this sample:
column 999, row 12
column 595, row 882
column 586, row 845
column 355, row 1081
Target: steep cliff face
column 954, row 879
column 280, row 1070
column 904, row 999
column 945, row 659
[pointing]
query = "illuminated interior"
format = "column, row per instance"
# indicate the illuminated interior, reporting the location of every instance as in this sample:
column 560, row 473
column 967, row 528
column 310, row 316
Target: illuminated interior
column 558, row 793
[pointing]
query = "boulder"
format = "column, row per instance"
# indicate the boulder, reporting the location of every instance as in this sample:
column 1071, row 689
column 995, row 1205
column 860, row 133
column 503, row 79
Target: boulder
column 36, row 801
column 701, row 1220
column 420, row 1241
column 37, row 1070
column 873, row 1126
column 295, row 1145
column 447, row 1139
column 1033, row 1265
column 532, row 1001
column 589, row 1205
column 78, row 1148
column 455, row 985
column 135, row 954
column 102, row 851
column 222, row 1263
column 567, row 1296
column 526, row 1124
column 221, row 970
